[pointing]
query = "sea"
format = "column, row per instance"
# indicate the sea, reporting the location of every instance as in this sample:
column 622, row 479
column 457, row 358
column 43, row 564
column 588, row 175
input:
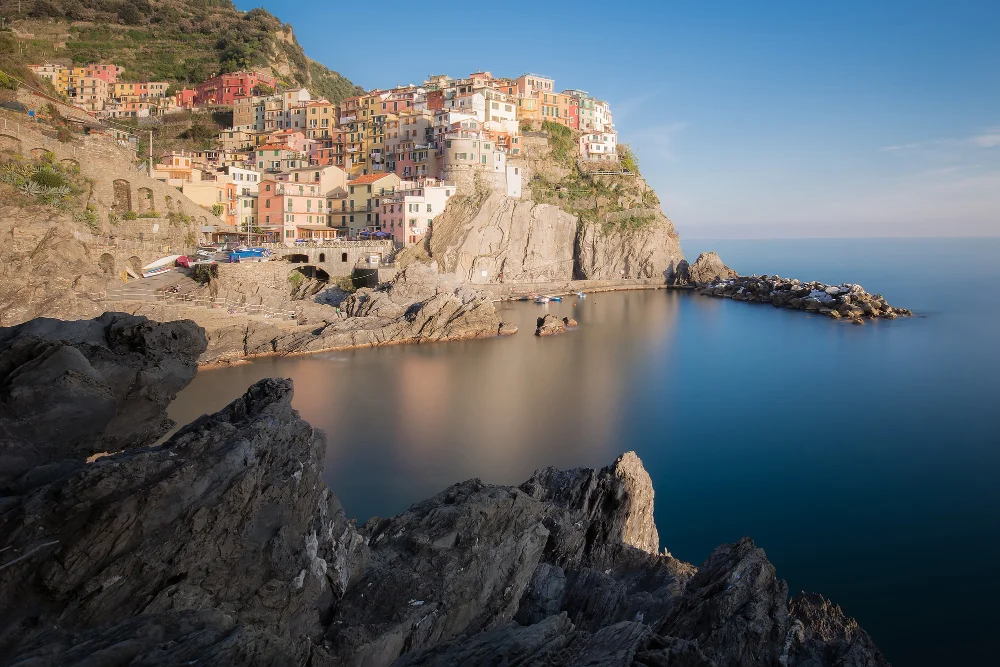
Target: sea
column 864, row 460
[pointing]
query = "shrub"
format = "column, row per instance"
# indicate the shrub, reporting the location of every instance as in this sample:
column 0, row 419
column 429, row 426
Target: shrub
column 113, row 218
column 88, row 217
column 149, row 214
column 130, row 215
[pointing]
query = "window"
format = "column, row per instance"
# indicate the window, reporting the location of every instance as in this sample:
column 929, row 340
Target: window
column 343, row 257
column 428, row 208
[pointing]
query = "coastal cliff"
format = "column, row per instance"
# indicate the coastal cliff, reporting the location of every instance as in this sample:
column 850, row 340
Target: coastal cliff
column 574, row 220
column 224, row 545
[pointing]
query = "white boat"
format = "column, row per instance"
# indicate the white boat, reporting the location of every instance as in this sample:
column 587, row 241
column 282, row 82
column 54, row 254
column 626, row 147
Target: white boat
column 161, row 265
column 541, row 299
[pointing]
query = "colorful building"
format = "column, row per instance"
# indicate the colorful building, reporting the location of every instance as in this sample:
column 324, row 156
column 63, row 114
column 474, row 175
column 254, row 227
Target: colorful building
column 409, row 212
column 227, row 88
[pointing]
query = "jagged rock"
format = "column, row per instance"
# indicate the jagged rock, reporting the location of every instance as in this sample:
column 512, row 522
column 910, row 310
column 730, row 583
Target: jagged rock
column 611, row 252
column 223, row 545
column 834, row 301
column 708, row 268
column 570, row 322
column 231, row 513
column 72, row 389
column 619, row 499
column 734, row 607
column 170, row 638
column 821, row 634
column 549, row 325
column 517, row 239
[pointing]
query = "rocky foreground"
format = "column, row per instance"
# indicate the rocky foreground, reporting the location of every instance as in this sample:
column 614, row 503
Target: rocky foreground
column 848, row 301
column 223, row 546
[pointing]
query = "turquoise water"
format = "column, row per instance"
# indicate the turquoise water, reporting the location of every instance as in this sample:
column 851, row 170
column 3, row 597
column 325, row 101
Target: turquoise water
column 864, row 459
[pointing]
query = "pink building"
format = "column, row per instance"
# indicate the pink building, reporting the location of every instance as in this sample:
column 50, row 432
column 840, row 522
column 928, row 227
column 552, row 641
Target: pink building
column 293, row 210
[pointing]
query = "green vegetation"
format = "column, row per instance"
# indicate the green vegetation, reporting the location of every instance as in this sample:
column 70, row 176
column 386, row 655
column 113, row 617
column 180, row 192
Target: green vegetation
column 217, row 209
column 45, row 182
column 615, row 203
column 181, row 41
column 130, row 215
column 178, row 218
column 628, row 159
column 149, row 214
column 560, row 141
column 295, row 278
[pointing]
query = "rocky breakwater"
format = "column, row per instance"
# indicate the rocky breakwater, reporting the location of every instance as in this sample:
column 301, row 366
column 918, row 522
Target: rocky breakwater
column 223, row 546
column 848, row 301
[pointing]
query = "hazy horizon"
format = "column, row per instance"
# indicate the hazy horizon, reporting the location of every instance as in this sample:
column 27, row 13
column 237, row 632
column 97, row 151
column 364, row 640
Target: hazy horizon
column 750, row 119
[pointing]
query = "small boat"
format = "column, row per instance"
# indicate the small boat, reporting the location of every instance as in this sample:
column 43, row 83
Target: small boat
column 161, row 265
column 244, row 254
column 541, row 299
column 555, row 298
column 582, row 295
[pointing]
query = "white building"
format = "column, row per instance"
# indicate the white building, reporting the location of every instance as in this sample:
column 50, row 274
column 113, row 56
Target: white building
column 247, row 180
column 599, row 146
column 474, row 104
column 410, row 212
column 602, row 116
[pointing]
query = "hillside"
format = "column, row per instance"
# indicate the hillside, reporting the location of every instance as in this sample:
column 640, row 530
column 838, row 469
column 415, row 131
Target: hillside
column 182, row 41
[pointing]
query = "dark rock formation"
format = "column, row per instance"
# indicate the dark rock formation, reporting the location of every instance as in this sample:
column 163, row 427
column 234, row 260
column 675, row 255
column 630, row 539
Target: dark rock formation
column 570, row 322
column 836, row 301
column 72, row 389
column 549, row 325
column 223, row 546
column 230, row 514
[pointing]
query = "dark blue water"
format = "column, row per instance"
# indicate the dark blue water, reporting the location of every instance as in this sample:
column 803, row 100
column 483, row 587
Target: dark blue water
column 863, row 459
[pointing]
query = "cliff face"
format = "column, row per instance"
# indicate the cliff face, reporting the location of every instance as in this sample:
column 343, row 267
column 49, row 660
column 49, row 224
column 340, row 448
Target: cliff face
column 504, row 239
column 573, row 222
column 224, row 546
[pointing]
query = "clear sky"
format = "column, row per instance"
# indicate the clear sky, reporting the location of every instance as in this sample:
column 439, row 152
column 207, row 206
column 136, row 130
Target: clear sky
column 750, row 118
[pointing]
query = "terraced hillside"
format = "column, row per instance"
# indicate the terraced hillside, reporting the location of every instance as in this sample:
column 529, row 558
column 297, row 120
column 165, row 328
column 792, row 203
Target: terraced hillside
column 182, row 41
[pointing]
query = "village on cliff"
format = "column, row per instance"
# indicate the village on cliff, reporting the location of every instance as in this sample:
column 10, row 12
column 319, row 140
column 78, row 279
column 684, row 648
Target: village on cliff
column 293, row 169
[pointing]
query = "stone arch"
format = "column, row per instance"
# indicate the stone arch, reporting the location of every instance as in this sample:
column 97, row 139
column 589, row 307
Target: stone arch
column 39, row 153
column 145, row 202
column 168, row 203
column 297, row 258
column 70, row 163
column 203, row 221
column 9, row 143
column 122, row 202
column 322, row 257
column 107, row 263
column 135, row 264
column 313, row 271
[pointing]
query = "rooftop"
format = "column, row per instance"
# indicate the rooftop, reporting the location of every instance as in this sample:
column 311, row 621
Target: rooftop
column 367, row 178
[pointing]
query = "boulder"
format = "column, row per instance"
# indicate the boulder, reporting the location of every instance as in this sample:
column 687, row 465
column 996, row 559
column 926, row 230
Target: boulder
column 549, row 325
column 570, row 322
column 708, row 268
column 72, row 389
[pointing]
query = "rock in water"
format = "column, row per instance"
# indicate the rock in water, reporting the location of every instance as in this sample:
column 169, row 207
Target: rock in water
column 570, row 322
column 708, row 268
column 549, row 325
column 72, row 389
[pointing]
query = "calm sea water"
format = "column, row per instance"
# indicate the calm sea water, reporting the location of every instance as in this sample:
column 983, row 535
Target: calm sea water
column 864, row 460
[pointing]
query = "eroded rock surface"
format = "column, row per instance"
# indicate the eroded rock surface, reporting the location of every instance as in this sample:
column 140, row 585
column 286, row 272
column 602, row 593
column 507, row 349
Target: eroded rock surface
column 709, row 267
column 549, row 325
column 71, row 389
column 224, row 546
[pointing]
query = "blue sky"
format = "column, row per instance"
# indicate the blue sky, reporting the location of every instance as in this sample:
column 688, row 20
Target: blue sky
column 751, row 119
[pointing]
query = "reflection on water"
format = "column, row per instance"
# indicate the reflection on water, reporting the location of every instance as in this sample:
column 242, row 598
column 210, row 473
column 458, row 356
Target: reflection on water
column 849, row 453
column 404, row 422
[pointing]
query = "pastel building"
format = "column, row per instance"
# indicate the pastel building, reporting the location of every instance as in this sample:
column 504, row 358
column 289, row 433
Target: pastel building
column 225, row 89
column 295, row 210
column 599, row 146
column 409, row 213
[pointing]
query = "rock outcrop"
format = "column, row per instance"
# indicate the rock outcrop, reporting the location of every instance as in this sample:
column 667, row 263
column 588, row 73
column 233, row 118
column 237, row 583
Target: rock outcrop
column 224, row 546
column 231, row 514
column 503, row 239
column 72, row 389
column 419, row 305
column 549, row 325
column 614, row 251
column 708, row 268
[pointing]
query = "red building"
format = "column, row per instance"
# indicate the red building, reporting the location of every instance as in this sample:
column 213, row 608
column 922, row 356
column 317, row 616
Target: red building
column 185, row 97
column 227, row 88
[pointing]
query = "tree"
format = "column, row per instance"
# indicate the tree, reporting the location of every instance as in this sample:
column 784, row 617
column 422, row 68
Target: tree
column 264, row 89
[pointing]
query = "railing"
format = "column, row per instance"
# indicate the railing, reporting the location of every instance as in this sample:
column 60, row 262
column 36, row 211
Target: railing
column 230, row 306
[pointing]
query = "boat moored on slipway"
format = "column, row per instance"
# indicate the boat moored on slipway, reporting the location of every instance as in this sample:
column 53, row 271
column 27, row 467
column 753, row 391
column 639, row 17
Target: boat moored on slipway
column 161, row 265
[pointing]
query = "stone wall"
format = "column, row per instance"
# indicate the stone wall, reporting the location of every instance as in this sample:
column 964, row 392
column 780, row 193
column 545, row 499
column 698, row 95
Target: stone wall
column 337, row 258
